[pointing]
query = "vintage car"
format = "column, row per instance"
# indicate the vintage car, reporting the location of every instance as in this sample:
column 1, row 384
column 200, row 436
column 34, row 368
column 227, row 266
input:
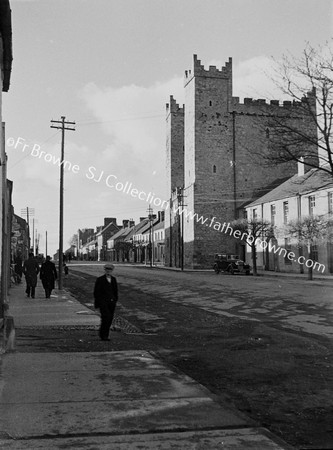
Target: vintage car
column 227, row 262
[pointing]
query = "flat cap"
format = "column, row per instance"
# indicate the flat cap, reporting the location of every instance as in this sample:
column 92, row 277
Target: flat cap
column 108, row 266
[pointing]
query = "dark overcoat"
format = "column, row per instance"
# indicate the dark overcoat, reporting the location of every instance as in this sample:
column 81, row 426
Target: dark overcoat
column 48, row 274
column 105, row 291
column 31, row 270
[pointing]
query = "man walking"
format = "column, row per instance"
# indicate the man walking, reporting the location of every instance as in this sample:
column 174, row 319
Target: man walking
column 48, row 275
column 31, row 270
column 106, row 297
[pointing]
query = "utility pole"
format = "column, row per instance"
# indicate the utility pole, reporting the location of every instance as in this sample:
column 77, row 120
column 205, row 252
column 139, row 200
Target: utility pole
column 151, row 235
column 28, row 212
column 180, row 195
column 62, row 126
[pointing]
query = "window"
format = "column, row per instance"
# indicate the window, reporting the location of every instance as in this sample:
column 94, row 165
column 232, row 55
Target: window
column 287, row 246
column 214, row 168
column 273, row 213
column 267, row 133
column 254, row 214
column 210, row 103
column 285, row 212
column 330, row 202
column 312, row 204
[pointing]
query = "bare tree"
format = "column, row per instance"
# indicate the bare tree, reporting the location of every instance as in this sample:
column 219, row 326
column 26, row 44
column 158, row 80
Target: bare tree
column 305, row 133
column 253, row 230
column 73, row 240
column 310, row 231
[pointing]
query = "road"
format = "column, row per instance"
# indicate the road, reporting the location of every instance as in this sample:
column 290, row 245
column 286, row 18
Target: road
column 287, row 303
column 264, row 344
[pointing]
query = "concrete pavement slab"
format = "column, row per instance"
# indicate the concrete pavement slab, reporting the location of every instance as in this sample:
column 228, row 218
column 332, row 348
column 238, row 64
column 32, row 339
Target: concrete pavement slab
column 61, row 309
column 240, row 439
column 112, row 400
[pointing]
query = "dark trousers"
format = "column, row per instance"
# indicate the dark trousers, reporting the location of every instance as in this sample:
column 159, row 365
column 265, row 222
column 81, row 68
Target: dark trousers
column 107, row 309
column 30, row 290
column 48, row 286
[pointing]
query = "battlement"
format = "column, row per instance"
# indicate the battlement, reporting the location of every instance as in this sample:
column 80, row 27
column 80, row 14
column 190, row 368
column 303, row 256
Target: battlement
column 263, row 106
column 173, row 106
column 212, row 72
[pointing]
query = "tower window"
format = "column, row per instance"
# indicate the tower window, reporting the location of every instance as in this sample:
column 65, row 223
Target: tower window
column 214, row 168
column 210, row 103
column 267, row 133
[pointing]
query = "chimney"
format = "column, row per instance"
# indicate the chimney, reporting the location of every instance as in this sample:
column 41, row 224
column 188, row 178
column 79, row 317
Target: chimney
column 131, row 223
column 125, row 223
column 300, row 167
column 108, row 220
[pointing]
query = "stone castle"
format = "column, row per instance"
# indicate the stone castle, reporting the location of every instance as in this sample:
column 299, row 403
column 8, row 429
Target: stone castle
column 213, row 147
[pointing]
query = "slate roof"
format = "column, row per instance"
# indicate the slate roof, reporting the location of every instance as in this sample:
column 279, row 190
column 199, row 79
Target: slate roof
column 313, row 180
column 120, row 234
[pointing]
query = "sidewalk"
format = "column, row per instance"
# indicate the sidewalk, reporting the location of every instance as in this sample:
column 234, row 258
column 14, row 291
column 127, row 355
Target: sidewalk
column 107, row 400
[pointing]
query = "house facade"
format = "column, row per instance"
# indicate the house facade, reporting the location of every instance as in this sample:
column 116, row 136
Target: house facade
column 5, row 186
column 302, row 196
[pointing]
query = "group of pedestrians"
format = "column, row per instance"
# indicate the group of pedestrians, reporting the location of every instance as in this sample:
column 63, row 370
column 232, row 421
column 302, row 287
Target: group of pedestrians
column 47, row 274
column 105, row 290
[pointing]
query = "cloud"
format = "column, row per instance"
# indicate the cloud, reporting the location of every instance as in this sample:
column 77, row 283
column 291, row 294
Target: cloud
column 132, row 119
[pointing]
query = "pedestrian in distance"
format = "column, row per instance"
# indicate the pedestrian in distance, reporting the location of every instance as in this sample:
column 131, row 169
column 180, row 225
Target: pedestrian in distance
column 105, row 299
column 18, row 268
column 48, row 275
column 31, row 270
column 65, row 269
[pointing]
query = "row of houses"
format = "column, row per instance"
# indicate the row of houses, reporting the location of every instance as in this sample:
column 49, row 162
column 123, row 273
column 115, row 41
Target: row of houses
column 301, row 197
column 127, row 242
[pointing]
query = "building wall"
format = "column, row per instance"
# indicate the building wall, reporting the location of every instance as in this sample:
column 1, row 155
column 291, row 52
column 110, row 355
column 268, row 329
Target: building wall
column 298, row 208
column 223, row 141
column 174, row 165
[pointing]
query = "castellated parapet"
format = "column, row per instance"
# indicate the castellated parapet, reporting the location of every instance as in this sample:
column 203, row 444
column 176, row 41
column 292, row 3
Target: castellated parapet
column 273, row 107
column 173, row 107
column 213, row 72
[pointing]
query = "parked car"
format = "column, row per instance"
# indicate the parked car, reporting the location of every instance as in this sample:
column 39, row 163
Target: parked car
column 230, row 263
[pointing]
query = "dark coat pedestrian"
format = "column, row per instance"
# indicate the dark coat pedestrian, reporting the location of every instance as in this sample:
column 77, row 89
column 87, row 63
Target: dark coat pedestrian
column 48, row 275
column 18, row 267
column 106, row 297
column 31, row 270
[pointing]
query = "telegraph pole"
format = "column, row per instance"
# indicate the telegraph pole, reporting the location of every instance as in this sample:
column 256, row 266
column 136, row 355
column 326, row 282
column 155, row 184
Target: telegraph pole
column 28, row 212
column 151, row 234
column 45, row 244
column 180, row 195
column 62, row 126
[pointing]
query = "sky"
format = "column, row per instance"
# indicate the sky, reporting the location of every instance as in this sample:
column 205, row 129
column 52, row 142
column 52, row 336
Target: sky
column 110, row 66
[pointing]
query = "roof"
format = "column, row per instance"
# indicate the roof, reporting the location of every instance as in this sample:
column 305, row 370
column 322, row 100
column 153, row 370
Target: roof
column 159, row 226
column 6, row 34
column 121, row 233
column 313, row 180
column 104, row 229
column 136, row 228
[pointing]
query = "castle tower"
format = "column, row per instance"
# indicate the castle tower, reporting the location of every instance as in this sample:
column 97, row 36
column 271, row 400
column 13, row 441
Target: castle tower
column 223, row 169
column 175, row 176
column 208, row 155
